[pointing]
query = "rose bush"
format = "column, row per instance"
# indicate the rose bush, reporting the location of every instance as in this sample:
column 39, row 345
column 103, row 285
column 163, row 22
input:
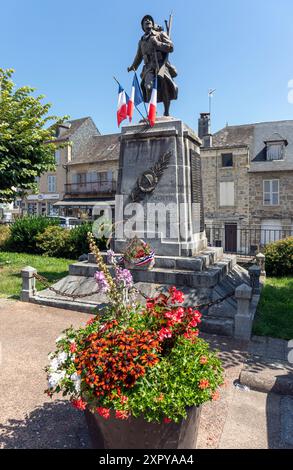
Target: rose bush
column 135, row 360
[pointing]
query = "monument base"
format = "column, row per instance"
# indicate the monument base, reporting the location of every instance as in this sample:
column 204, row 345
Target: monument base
column 160, row 189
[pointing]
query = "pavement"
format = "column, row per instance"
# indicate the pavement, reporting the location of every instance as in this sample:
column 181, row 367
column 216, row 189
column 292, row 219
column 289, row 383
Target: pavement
column 242, row 418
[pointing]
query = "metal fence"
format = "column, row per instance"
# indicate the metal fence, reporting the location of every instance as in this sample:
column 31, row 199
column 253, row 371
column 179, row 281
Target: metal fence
column 246, row 241
column 93, row 187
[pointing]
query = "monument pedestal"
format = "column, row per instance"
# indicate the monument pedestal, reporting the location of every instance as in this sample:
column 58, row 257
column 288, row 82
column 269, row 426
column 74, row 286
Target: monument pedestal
column 160, row 188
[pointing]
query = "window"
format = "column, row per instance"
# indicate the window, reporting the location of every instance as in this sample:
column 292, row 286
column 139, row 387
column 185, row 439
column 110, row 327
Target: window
column 274, row 151
column 271, row 192
column 227, row 193
column 227, row 159
column 51, row 184
column 57, row 156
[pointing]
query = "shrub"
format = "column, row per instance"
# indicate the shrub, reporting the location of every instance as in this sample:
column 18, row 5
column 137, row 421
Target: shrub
column 4, row 236
column 79, row 241
column 23, row 233
column 55, row 241
column 279, row 257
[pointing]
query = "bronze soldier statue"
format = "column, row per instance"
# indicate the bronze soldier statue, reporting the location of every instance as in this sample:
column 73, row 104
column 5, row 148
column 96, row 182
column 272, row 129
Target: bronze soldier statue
column 154, row 48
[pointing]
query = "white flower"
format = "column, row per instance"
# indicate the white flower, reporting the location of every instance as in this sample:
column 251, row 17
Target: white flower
column 54, row 365
column 61, row 358
column 55, row 378
column 59, row 338
column 76, row 381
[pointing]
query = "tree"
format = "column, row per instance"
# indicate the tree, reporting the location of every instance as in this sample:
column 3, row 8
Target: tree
column 26, row 138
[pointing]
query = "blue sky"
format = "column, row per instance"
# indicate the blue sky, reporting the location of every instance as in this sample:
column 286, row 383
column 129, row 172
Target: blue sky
column 70, row 50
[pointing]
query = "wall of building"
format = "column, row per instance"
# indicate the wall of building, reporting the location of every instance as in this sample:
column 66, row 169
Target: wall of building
column 284, row 210
column 218, row 182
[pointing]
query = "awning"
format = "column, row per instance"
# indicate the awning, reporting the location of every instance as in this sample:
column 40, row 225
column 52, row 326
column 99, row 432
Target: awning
column 84, row 203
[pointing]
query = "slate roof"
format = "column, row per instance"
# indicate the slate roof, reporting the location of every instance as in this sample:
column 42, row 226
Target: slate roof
column 99, row 148
column 74, row 125
column 255, row 136
column 233, row 135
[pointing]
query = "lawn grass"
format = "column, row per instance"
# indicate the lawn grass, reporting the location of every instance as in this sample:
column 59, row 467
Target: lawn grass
column 12, row 263
column 274, row 315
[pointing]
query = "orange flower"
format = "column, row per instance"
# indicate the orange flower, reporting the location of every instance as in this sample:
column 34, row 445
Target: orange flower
column 203, row 360
column 203, row 384
column 215, row 395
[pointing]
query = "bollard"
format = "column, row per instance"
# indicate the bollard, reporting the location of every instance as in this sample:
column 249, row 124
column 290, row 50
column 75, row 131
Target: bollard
column 254, row 274
column 243, row 317
column 28, row 283
column 261, row 263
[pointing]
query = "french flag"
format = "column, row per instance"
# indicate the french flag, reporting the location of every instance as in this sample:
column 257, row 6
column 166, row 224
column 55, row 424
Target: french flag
column 153, row 104
column 135, row 97
column 122, row 105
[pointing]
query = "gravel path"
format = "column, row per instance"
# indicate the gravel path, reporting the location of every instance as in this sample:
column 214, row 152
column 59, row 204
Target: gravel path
column 28, row 417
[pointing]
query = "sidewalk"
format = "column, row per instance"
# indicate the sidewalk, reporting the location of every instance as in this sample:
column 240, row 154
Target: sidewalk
column 29, row 419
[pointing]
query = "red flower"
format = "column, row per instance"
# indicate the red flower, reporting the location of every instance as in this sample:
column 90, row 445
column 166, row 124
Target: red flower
column 73, row 347
column 123, row 399
column 90, row 321
column 79, row 404
column 104, row 412
column 122, row 414
column 164, row 333
column 167, row 420
column 203, row 384
column 203, row 360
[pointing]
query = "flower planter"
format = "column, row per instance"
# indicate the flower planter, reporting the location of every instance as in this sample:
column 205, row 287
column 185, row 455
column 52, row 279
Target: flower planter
column 136, row 433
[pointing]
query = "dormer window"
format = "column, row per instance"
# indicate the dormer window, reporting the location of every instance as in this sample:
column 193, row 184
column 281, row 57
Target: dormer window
column 275, row 151
column 275, row 147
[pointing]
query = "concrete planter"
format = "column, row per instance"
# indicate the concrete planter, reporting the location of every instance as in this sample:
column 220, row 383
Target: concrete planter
column 136, row 433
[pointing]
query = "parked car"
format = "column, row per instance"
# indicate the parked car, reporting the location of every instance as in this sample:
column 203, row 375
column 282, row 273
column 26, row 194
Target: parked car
column 66, row 222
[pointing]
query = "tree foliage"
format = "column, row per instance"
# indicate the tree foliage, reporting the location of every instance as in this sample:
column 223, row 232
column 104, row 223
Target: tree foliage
column 26, row 138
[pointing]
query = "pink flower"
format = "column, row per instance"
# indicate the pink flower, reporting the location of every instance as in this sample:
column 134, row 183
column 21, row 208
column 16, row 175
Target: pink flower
column 122, row 414
column 176, row 295
column 79, row 404
column 123, row 400
column 167, row 420
column 104, row 412
column 73, row 348
column 164, row 333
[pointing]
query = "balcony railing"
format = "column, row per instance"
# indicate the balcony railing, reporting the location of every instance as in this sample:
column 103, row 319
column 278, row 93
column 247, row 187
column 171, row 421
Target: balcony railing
column 246, row 241
column 93, row 187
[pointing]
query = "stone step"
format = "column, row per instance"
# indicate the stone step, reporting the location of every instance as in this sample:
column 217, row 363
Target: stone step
column 197, row 263
column 217, row 326
column 177, row 277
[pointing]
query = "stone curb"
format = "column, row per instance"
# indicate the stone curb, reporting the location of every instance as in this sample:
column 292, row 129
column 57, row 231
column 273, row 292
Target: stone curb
column 268, row 376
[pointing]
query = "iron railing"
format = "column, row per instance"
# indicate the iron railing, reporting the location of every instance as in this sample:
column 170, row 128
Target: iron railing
column 246, row 241
column 93, row 187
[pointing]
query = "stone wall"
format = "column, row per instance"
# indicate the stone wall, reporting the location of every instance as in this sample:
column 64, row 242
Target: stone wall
column 213, row 174
column 284, row 211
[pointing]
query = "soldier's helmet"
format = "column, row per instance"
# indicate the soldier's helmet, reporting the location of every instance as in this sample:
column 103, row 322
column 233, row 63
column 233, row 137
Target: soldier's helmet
column 149, row 17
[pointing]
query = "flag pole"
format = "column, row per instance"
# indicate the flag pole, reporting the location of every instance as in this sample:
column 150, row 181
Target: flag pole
column 145, row 108
column 143, row 117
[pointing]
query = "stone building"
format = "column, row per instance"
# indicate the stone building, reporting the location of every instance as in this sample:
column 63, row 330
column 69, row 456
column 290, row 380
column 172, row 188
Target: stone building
column 248, row 184
column 86, row 171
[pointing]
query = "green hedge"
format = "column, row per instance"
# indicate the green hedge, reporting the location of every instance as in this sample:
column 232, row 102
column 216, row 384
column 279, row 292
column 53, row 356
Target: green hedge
column 23, row 233
column 279, row 257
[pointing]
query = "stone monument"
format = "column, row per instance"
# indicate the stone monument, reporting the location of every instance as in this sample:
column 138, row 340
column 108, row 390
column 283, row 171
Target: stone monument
column 159, row 181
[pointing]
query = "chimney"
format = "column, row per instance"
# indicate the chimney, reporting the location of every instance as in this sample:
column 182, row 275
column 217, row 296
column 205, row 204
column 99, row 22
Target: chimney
column 204, row 129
